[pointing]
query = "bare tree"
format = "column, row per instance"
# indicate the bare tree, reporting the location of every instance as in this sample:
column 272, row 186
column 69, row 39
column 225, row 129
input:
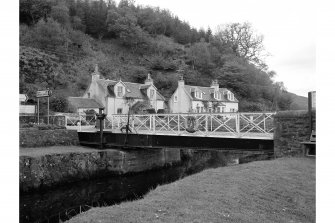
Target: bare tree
column 244, row 41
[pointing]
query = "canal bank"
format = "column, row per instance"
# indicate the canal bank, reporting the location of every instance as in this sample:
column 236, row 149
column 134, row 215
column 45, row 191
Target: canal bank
column 41, row 168
column 51, row 166
column 281, row 190
column 68, row 199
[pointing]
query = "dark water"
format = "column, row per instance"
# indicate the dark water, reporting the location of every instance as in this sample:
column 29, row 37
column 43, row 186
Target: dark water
column 64, row 202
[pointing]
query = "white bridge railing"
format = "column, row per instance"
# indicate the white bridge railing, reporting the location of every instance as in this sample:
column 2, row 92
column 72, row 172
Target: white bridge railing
column 228, row 125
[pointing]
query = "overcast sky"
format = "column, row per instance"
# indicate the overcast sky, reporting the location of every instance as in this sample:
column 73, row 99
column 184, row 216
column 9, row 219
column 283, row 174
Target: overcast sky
column 288, row 28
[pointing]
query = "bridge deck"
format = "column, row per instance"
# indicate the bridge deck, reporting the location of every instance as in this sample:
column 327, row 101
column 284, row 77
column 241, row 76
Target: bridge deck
column 249, row 135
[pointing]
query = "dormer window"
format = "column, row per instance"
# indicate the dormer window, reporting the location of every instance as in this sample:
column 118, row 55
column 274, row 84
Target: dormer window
column 217, row 95
column 119, row 91
column 198, row 94
column 230, row 96
column 152, row 93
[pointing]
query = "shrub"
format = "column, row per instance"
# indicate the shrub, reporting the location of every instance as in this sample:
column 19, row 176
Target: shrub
column 48, row 127
column 26, row 125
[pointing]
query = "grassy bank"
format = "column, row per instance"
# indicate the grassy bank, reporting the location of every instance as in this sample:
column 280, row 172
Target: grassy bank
column 281, row 190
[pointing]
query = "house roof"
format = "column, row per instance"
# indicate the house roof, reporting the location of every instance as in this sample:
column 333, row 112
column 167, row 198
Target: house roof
column 133, row 90
column 208, row 93
column 79, row 102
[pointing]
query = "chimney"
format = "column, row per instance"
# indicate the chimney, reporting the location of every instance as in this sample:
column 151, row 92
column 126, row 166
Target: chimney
column 149, row 80
column 215, row 85
column 181, row 81
column 96, row 73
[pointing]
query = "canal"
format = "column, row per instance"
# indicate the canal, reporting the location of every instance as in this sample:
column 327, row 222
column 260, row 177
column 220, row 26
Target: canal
column 63, row 202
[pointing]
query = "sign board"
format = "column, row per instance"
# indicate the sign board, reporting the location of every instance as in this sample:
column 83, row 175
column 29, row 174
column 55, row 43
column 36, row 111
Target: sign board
column 45, row 93
column 27, row 109
column 23, row 97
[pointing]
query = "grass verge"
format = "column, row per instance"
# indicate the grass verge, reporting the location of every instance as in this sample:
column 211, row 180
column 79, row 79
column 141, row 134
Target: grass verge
column 281, row 190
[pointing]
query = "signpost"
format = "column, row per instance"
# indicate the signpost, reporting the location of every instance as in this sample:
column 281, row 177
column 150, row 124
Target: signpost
column 23, row 98
column 42, row 94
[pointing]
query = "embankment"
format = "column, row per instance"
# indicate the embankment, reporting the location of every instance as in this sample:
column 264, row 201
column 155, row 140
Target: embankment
column 60, row 168
column 291, row 128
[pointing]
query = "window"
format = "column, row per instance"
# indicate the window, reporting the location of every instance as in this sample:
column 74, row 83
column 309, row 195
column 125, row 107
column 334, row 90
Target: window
column 119, row 91
column 217, row 95
column 88, row 95
column 175, row 98
column 198, row 94
column 119, row 111
column 152, row 93
column 232, row 110
column 222, row 108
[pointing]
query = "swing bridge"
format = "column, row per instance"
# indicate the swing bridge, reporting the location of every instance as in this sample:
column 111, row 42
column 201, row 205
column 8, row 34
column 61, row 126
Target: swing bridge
column 241, row 125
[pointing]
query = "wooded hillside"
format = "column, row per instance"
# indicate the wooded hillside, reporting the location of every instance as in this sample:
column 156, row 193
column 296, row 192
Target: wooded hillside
column 61, row 41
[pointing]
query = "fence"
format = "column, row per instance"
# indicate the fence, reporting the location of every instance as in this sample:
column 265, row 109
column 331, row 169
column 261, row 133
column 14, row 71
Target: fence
column 236, row 125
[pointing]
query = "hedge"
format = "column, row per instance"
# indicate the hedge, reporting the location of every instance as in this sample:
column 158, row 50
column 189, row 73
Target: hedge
column 40, row 138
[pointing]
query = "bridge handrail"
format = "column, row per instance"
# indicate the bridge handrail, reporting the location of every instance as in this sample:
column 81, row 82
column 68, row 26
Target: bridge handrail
column 237, row 124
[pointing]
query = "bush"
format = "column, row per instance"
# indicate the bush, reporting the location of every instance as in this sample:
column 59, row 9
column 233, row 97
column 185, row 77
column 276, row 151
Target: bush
column 41, row 126
column 38, row 138
column 27, row 125
column 49, row 127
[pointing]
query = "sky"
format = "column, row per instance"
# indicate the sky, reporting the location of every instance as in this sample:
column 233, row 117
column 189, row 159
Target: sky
column 288, row 28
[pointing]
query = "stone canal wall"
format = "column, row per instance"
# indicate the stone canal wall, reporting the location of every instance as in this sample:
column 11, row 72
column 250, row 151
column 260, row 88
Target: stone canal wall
column 55, row 169
column 40, row 138
column 291, row 128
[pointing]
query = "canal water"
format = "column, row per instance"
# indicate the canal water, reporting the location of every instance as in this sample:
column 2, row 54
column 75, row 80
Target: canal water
column 62, row 203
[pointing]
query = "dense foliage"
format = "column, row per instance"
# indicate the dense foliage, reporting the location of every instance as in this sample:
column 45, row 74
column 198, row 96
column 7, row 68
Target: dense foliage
column 60, row 41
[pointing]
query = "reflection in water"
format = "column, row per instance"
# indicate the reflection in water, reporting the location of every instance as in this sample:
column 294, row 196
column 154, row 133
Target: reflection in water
column 66, row 201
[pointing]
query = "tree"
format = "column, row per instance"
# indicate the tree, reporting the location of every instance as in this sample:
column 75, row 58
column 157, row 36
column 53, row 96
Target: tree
column 200, row 56
column 59, row 103
column 122, row 23
column 31, row 11
column 38, row 70
column 96, row 19
column 244, row 41
column 50, row 35
column 60, row 13
column 209, row 35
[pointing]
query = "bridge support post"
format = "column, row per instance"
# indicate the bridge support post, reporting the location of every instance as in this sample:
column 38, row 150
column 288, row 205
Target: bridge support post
column 178, row 124
column 206, row 124
column 150, row 121
column 238, row 125
column 154, row 123
column 112, row 120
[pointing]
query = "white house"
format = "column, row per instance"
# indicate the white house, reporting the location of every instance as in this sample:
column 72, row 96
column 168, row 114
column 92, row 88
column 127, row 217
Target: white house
column 187, row 98
column 117, row 96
